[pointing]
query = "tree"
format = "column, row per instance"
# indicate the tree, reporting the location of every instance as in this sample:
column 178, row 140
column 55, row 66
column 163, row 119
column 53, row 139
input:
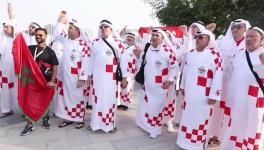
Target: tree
column 222, row 12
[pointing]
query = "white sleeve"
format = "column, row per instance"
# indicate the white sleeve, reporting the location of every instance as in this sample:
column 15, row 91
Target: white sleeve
column 173, row 67
column 216, row 86
column 86, row 55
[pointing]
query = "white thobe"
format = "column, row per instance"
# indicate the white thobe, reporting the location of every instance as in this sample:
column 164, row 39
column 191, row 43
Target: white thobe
column 161, row 66
column 201, row 80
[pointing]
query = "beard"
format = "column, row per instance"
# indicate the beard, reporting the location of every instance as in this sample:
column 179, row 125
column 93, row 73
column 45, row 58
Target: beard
column 39, row 40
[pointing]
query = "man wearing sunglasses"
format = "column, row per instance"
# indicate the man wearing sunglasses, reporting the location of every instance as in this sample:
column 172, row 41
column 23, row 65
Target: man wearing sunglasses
column 46, row 59
column 106, row 55
column 201, row 86
column 229, row 45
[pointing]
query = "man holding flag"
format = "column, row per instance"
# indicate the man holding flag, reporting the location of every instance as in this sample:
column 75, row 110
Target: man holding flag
column 36, row 78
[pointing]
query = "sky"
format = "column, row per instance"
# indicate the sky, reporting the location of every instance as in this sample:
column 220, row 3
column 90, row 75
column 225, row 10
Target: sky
column 133, row 13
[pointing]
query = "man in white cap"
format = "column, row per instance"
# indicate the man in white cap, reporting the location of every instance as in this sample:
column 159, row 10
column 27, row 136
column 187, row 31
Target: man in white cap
column 160, row 73
column 105, row 56
column 187, row 43
column 201, row 87
column 129, row 61
column 231, row 43
column 245, row 96
column 70, row 105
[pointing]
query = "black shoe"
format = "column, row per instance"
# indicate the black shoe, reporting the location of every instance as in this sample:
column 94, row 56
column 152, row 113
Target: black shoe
column 27, row 130
column 125, row 107
column 89, row 107
column 46, row 124
column 122, row 107
column 3, row 115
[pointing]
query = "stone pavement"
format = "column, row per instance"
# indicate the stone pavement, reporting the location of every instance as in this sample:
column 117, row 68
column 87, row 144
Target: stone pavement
column 128, row 136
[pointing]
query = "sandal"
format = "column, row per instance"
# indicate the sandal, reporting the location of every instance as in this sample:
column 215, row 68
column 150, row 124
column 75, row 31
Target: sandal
column 65, row 123
column 79, row 125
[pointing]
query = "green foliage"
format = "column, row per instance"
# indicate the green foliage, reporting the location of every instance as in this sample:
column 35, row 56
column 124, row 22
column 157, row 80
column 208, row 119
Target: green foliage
column 222, row 12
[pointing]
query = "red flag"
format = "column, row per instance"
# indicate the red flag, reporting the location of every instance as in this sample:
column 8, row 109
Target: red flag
column 175, row 29
column 34, row 96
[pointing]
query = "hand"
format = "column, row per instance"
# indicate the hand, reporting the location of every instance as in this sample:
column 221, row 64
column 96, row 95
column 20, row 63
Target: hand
column 211, row 101
column 51, row 84
column 10, row 11
column 184, row 29
column 89, row 80
column 123, row 31
column 63, row 17
column 137, row 52
column 166, row 84
column 124, row 83
column 211, row 27
column 80, row 83
column 150, row 29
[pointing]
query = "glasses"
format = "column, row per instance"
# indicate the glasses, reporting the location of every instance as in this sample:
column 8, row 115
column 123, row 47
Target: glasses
column 71, row 27
column 238, row 27
column 101, row 27
column 199, row 37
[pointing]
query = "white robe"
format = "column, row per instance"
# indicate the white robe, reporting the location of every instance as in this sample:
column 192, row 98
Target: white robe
column 202, row 80
column 227, row 49
column 161, row 66
column 70, row 104
column 30, row 40
column 128, row 62
column 105, row 87
column 8, row 79
column 245, row 98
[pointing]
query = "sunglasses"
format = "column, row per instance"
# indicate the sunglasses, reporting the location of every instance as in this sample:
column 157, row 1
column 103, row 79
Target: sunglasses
column 200, row 37
column 71, row 27
column 238, row 27
column 101, row 27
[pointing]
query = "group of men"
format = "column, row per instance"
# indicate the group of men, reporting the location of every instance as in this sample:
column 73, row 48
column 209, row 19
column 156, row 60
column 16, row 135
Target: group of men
column 208, row 87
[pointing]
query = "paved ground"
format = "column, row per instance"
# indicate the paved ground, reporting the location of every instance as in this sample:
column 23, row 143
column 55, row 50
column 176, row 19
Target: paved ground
column 128, row 136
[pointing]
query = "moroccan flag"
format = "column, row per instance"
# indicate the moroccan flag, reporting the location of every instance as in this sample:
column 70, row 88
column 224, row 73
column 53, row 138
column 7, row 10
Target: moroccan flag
column 34, row 96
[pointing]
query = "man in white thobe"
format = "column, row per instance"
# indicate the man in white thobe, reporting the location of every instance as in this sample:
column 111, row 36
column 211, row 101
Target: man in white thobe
column 201, row 87
column 231, row 43
column 129, row 63
column 160, row 73
column 70, row 105
column 8, row 79
column 104, row 80
column 245, row 97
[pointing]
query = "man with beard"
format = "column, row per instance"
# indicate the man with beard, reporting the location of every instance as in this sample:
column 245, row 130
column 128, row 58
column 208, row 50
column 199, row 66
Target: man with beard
column 46, row 59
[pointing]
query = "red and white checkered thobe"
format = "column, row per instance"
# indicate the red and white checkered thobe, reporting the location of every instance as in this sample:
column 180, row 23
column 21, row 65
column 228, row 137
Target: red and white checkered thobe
column 246, row 102
column 8, row 80
column 161, row 66
column 70, row 104
column 218, row 123
column 128, row 62
column 201, row 80
column 105, row 87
